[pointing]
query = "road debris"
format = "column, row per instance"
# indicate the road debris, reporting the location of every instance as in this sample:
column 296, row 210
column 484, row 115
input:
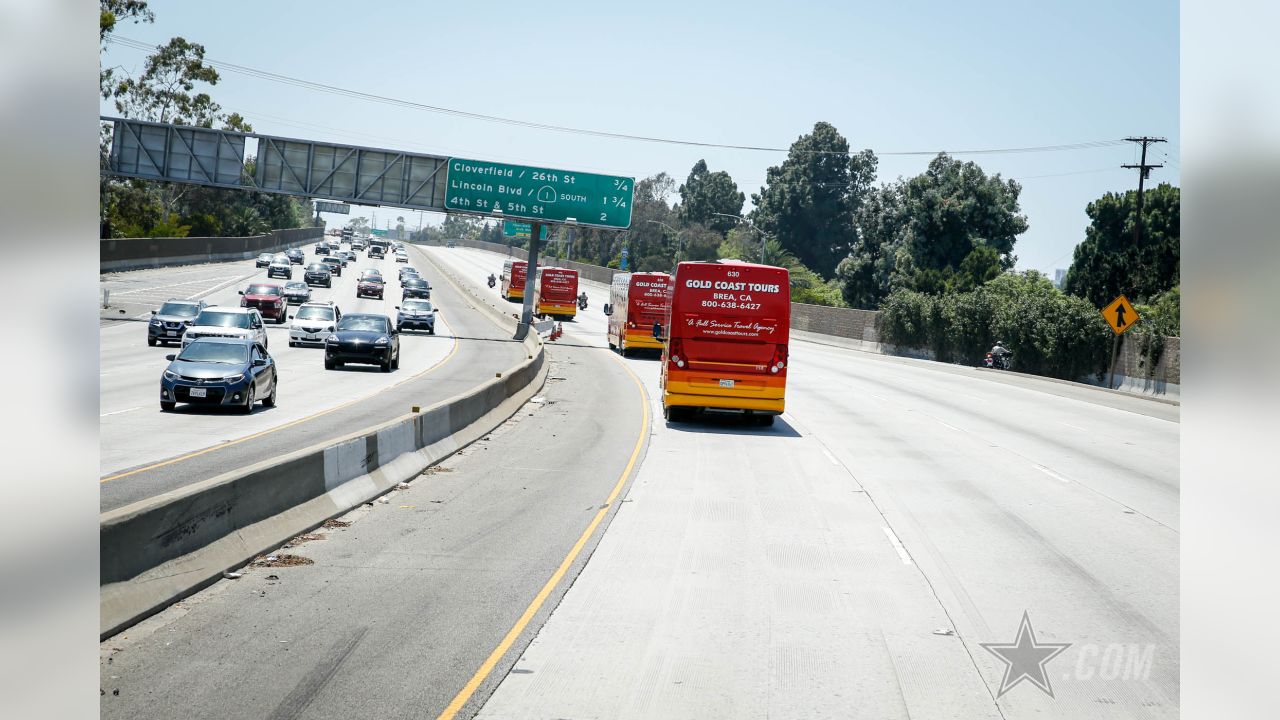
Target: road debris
column 281, row 561
column 232, row 575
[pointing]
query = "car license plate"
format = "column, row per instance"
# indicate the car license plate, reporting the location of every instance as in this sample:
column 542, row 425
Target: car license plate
column 199, row 392
column 726, row 383
column 171, row 333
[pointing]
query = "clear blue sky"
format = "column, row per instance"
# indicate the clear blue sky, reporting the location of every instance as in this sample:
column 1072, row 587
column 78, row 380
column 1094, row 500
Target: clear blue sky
column 906, row 76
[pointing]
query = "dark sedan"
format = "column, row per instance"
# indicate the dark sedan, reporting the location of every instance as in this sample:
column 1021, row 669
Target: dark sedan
column 415, row 287
column 220, row 371
column 416, row 315
column 335, row 264
column 406, row 271
column 172, row 320
column 318, row 274
column 295, row 256
column 363, row 338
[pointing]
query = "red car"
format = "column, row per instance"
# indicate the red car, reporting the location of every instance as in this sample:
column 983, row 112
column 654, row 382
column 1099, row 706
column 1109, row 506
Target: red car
column 370, row 284
column 268, row 298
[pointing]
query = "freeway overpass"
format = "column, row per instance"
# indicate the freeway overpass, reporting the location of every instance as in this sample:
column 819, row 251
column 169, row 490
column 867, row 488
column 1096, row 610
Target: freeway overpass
column 586, row 559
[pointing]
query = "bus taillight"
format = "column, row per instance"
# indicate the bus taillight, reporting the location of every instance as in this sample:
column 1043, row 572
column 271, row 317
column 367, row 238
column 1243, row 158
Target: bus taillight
column 676, row 351
column 779, row 361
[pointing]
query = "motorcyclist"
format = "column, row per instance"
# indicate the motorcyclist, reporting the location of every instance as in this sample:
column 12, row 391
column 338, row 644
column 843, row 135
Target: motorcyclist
column 582, row 300
column 1000, row 354
column 657, row 330
column 492, row 280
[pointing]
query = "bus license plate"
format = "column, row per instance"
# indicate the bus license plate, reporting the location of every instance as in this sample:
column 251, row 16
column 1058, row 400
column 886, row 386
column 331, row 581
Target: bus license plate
column 199, row 392
column 726, row 383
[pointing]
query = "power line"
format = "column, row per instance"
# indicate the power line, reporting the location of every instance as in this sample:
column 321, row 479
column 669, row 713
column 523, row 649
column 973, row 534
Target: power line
column 371, row 97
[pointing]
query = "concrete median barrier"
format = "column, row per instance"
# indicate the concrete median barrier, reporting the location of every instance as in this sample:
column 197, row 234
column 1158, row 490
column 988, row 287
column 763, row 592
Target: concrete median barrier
column 160, row 550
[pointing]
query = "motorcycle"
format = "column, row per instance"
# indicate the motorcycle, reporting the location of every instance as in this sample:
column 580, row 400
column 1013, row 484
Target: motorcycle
column 582, row 303
column 492, row 282
column 996, row 362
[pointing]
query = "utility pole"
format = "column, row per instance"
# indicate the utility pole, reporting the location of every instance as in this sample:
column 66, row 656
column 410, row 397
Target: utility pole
column 1144, row 171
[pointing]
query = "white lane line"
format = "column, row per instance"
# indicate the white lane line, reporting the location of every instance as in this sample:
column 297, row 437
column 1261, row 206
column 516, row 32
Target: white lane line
column 117, row 412
column 881, row 398
column 1073, row 427
column 830, row 457
column 942, row 422
column 1050, row 473
column 897, row 545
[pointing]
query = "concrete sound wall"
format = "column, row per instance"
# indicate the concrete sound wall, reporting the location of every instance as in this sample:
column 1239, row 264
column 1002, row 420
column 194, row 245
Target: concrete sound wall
column 116, row 254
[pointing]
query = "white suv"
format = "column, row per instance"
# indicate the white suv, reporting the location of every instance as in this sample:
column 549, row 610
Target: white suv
column 219, row 321
column 313, row 322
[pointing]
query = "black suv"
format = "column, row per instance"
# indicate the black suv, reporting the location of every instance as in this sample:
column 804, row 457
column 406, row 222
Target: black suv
column 295, row 256
column 363, row 338
column 415, row 287
column 334, row 263
column 318, row 273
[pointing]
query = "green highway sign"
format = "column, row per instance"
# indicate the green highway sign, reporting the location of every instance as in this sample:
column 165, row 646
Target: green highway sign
column 516, row 229
column 379, row 233
column 542, row 194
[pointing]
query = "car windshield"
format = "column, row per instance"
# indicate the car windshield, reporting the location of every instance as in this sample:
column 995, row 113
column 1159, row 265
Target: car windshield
column 331, row 260
column 316, row 267
column 371, row 277
column 415, row 282
column 314, row 313
column 371, row 324
column 417, row 305
column 264, row 256
column 263, row 290
column 216, row 318
column 215, row 352
column 179, row 309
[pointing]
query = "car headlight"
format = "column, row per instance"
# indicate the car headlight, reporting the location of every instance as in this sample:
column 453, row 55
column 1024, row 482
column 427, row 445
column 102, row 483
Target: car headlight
column 233, row 378
column 331, row 339
column 382, row 340
column 170, row 375
column 157, row 323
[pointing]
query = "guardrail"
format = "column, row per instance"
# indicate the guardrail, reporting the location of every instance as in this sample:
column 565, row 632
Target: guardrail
column 157, row 551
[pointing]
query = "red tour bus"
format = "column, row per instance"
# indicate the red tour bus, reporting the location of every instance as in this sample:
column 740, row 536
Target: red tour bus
column 636, row 302
column 727, row 332
column 556, row 292
column 513, row 274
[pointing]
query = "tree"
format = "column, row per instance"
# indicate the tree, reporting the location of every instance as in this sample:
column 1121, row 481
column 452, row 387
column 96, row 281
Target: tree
column 706, row 193
column 953, row 207
column 359, row 225
column 164, row 91
column 110, row 14
column 951, row 228
column 868, row 273
column 1109, row 263
column 809, row 201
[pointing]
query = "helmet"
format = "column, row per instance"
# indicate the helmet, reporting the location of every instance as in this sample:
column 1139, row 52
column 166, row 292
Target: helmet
column 1000, row 343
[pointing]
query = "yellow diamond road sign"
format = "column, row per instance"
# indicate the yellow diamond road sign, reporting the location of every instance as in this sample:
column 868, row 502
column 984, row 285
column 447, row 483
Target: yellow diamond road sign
column 1120, row 314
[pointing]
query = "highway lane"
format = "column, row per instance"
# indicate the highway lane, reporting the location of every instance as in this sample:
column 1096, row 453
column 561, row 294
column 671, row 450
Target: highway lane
column 145, row 451
column 400, row 609
column 805, row 570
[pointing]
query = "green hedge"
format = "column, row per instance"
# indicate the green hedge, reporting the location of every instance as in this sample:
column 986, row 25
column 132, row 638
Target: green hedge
column 1050, row 333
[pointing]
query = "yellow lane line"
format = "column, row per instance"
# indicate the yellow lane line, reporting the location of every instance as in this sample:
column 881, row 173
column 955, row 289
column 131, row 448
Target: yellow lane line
column 490, row 662
column 288, row 425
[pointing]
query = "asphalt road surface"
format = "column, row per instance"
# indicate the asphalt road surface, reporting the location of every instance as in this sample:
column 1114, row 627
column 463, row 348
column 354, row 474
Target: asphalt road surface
column 145, row 452
column 852, row 560
column 400, row 610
